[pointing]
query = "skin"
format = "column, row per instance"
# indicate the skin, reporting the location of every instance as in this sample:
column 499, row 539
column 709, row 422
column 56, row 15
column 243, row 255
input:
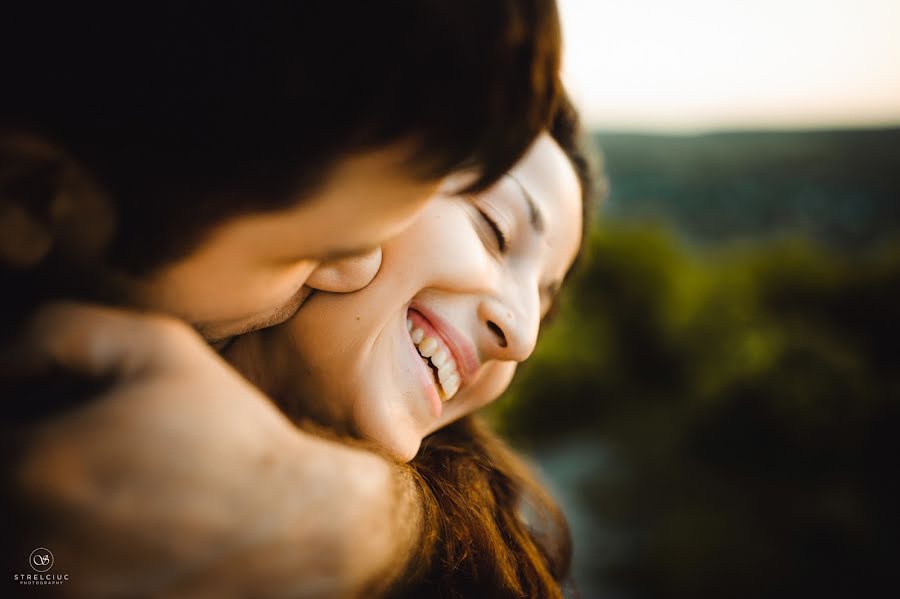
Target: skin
column 353, row 352
column 174, row 518
column 143, row 492
column 133, row 507
column 250, row 271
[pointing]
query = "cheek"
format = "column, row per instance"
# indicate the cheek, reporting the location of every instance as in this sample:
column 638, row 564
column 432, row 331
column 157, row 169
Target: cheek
column 205, row 291
column 266, row 289
column 441, row 249
column 491, row 384
column 494, row 381
column 346, row 360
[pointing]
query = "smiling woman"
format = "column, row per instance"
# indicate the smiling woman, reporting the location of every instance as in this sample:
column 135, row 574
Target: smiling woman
column 438, row 334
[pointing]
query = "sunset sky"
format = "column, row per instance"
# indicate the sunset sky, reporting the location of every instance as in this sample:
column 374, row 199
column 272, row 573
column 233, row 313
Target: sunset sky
column 699, row 65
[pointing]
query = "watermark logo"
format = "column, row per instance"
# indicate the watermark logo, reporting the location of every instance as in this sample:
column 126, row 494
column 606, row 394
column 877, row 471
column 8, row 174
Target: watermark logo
column 41, row 559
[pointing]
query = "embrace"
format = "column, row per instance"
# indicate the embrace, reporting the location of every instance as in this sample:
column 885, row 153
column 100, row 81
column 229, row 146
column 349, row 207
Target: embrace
column 263, row 266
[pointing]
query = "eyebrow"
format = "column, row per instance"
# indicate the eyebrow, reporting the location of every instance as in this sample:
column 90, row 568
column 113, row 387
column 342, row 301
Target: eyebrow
column 536, row 217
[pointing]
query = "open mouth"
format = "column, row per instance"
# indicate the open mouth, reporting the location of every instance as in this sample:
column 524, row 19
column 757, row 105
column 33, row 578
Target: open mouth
column 435, row 354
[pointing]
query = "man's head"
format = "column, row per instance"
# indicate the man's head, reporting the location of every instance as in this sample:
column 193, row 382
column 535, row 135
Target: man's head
column 249, row 272
column 200, row 123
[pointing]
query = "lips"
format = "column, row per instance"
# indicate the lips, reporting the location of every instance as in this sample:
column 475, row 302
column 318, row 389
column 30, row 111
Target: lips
column 426, row 376
column 434, row 354
column 461, row 350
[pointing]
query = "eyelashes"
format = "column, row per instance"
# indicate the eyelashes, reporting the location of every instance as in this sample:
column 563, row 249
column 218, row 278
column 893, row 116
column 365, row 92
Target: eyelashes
column 502, row 241
column 500, row 235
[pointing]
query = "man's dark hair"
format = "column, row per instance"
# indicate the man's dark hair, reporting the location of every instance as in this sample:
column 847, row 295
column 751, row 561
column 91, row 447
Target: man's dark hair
column 189, row 115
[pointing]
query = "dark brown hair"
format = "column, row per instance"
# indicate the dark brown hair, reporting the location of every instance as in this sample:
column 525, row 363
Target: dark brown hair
column 189, row 114
column 490, row 528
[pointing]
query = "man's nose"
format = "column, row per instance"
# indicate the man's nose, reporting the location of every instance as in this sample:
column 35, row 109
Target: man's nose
column 344, row 275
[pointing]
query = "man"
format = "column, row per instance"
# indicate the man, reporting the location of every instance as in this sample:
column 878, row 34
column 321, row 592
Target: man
column 221, row 135
column 239, row 151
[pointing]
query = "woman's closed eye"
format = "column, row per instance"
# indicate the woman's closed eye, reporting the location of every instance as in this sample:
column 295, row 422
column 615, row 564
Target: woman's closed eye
column 499, row 234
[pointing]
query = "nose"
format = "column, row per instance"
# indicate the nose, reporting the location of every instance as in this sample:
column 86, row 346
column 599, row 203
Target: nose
column 510, row 328
column 344, row 275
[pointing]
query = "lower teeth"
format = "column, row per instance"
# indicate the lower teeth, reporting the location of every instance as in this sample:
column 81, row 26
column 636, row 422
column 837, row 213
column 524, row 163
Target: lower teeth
column 434, row 374
column 437, row 381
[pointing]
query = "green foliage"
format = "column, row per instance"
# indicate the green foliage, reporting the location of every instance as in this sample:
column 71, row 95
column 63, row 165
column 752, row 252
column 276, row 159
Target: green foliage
column 752, row 396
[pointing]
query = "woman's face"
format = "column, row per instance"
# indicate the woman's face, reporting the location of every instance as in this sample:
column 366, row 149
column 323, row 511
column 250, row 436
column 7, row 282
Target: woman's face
column 439, row 331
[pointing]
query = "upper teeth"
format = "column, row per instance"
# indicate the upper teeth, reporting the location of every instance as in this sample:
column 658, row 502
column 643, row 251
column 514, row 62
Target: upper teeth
column 433, row 348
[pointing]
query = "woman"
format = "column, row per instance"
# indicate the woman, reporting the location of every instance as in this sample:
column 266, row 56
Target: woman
column 438, row 334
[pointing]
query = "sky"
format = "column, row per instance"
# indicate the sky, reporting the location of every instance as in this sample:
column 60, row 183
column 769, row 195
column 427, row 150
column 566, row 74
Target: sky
column 705, row 65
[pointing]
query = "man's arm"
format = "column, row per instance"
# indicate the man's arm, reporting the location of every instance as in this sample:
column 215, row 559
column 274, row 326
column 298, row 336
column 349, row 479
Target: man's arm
column 185, row 479
column 342, row 527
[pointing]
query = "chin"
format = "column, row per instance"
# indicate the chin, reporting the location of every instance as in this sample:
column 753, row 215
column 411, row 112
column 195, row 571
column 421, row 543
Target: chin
column 406, row 456
column 411, row 451
column 401, row 449
column 217, row 332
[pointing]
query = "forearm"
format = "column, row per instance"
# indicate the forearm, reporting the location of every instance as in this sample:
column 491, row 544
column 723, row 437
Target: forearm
column 273, row 512
column 332, row 521
column 184, row 475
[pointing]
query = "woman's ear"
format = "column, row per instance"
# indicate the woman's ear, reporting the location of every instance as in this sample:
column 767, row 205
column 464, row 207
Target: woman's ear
column 346, row 274
column 48, row 201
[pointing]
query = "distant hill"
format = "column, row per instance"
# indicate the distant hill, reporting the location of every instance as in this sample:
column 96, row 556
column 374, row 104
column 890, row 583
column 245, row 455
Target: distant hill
column 838, row 187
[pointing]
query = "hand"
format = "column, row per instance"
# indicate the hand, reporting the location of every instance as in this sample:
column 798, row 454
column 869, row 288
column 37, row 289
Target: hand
column 184, row 478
